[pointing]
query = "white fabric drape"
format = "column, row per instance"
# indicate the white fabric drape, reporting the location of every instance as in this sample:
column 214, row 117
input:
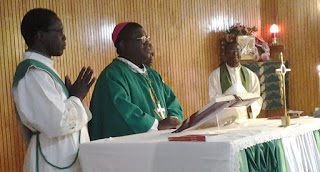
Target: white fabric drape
column 298, row 151
column 153, row 152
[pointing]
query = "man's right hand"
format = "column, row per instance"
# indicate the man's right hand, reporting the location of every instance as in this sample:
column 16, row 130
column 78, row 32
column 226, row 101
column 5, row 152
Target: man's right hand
column 81, row 86
column 169, row 123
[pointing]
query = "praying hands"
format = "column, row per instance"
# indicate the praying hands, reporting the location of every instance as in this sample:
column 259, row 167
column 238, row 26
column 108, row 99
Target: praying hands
column 81, row 86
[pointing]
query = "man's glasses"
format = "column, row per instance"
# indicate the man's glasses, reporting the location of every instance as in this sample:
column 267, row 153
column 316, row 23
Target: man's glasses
column 60, row 31
column 144, row 39
column 233, row 51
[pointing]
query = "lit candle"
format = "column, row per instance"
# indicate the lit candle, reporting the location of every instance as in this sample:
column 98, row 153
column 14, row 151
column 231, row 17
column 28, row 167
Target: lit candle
column 274, row 30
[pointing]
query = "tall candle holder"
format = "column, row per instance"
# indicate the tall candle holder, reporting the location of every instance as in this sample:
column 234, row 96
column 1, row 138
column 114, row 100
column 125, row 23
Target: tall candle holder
column 274, row 30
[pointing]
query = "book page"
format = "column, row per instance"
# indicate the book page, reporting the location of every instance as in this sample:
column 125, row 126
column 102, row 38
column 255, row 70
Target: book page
column 215, row 107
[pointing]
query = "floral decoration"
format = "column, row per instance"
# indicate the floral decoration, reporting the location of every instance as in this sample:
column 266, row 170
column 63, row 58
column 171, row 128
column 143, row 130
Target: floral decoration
column 262, row 50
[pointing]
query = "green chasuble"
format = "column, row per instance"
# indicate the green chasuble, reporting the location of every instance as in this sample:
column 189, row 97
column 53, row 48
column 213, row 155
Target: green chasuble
column 225, row 79
column 122, row 104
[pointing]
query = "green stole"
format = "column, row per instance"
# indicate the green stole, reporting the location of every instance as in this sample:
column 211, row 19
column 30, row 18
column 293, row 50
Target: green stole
column 24, row 66
column 21, row 71
column 225, row 79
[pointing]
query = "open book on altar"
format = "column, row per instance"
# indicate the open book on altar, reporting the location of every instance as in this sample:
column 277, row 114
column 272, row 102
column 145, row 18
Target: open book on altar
column 215, row 107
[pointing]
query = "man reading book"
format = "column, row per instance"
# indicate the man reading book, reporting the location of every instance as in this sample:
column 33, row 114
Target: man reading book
column 130, row 97
column 233, row 78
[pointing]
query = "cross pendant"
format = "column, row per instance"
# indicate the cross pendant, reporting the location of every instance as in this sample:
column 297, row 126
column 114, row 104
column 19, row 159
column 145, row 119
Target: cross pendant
column 161, row 110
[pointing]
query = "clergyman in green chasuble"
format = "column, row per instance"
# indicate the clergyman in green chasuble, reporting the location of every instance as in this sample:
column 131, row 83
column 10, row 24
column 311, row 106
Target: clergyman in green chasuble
column 129, row 96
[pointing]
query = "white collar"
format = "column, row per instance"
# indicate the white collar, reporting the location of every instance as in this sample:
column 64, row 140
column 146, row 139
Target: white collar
column 39, row 57
column 233, row 68
column 132, row 66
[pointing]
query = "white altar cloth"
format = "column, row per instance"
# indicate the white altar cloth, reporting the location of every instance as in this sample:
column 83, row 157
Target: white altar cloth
column 153, row 152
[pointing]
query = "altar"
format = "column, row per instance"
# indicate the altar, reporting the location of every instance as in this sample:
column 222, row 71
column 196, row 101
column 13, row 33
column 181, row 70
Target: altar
column 296, row 147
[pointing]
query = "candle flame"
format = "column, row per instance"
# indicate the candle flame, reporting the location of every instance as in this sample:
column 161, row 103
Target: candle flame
column 274, row 28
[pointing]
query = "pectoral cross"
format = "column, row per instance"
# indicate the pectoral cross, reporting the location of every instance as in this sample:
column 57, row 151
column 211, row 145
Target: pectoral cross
column 283, row 70
column 161, row 110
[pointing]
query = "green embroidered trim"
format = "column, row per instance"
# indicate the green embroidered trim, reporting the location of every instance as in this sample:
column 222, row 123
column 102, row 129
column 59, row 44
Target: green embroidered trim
column 24, row 66
column 38, row 149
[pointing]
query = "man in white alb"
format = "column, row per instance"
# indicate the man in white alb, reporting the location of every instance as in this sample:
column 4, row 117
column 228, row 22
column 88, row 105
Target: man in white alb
column 232, row 78
column 51, row 114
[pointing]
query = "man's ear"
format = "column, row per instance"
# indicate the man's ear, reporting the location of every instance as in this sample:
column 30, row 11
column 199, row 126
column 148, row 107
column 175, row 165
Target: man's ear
column 122, row 45
column 40, row 36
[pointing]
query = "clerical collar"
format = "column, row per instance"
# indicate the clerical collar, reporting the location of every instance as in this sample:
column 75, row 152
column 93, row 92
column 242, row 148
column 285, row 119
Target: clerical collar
column 35, row 51
column 39, row 57
column 132, row 66
column 229, row 67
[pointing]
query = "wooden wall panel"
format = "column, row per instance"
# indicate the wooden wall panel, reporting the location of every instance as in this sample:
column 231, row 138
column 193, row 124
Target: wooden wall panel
column 299, row 32
column 185, row 35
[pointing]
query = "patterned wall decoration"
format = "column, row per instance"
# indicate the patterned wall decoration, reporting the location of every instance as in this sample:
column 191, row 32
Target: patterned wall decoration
column 270, row 84
column 185, row 35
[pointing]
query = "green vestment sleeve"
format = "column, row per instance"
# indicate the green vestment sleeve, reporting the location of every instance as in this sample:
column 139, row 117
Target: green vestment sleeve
column 173, row 105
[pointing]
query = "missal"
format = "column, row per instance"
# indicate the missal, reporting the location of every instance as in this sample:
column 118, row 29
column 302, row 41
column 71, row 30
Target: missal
column 192, row 138
column 214, row 107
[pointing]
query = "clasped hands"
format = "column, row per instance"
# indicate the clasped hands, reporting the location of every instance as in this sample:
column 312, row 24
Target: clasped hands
column 81, row 86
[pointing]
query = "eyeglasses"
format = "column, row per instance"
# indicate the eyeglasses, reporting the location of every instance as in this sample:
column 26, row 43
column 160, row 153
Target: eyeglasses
column 144, row 39
column 233, row 51
column 60, row 31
